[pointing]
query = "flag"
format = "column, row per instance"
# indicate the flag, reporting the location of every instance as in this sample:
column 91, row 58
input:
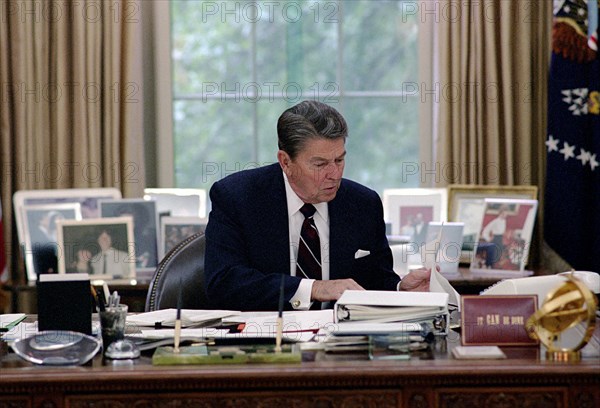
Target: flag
column 3, row 269
column 572, row 198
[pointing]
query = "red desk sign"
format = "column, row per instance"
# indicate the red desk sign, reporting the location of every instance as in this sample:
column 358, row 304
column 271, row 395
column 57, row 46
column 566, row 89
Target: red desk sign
column 498, row 320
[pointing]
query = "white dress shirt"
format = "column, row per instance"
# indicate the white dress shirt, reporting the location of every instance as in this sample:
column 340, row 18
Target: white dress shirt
column 301, row 299
column 112, row 263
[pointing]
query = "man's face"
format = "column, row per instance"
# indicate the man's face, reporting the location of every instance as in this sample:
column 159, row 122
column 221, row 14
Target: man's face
column 104, row 241
column 316, row 172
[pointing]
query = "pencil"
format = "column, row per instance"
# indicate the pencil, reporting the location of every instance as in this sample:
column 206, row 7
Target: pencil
column 106, row 293
column 97, row 299
column 280, row 317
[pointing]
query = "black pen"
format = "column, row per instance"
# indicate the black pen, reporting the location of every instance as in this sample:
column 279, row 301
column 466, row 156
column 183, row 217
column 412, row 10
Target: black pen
column 280, row 317
column 178, row 320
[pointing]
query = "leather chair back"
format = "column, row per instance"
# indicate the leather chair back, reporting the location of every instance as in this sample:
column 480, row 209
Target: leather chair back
column 182, row 266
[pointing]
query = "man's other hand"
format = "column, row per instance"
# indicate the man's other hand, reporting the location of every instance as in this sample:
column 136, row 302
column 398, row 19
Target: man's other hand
column 416, row 281
column 328, row 290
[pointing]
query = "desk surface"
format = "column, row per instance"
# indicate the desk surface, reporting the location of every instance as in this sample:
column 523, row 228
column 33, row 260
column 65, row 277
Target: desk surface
column 430, row 379
column 24, row 296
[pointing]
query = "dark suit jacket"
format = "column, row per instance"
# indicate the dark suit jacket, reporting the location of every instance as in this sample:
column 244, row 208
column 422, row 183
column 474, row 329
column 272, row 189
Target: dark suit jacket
column 247, row 240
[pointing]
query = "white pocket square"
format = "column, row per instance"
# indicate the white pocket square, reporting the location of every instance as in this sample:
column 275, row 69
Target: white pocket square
column 361, row 253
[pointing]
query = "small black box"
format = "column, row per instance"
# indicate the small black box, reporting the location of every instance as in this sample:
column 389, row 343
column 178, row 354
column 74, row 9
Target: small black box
column 64, row 302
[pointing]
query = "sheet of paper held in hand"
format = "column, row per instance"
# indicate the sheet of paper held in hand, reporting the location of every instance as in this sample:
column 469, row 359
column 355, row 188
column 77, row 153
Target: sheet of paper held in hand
column 438, row 283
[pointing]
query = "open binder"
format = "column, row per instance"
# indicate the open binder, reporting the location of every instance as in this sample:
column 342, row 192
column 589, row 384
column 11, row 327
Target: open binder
column 390, row 307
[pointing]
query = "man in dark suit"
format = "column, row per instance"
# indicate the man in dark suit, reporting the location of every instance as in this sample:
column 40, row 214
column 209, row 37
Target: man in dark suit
column 253, row 233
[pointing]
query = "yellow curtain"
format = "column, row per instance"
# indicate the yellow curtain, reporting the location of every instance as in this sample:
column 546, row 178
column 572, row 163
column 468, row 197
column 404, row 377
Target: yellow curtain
column 71, row 98
column 490, row 74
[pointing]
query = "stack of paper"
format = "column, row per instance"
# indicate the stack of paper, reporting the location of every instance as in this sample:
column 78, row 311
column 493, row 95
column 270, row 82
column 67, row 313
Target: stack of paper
column 189, row 317
column 298, row 326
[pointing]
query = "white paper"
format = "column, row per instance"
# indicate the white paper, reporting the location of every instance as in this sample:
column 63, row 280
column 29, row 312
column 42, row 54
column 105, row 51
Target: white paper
column 439, row 284
column 477, row 352
column 429, row 251
column 6, row 319
column 367, row 328
column 208, row 332
column 166, row 317
column 305, row 320
column 20, row 331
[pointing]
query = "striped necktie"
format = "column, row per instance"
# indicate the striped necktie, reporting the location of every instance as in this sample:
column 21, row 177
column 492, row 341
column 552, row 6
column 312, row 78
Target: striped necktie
column 309, row 246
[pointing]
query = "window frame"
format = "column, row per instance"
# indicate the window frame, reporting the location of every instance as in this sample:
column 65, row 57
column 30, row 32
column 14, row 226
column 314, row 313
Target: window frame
column 161, row 42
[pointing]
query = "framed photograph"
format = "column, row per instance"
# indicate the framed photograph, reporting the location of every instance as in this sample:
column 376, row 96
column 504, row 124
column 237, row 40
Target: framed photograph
column 86, row 197
column 466, row 204
column 176, row 229
column 178, row 202
column 101, row 247
column 504, row 239
column 40, row 243
column 409, row 210
column 145, row 227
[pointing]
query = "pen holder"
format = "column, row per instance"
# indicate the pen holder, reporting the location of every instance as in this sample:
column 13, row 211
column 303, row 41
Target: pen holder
column 112, row 324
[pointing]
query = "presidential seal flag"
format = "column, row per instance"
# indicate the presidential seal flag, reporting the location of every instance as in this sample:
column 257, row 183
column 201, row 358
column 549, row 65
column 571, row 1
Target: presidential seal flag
column 572, row 200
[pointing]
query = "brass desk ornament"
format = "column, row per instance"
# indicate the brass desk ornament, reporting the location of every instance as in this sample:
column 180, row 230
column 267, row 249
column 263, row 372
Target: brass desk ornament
column 569, row 305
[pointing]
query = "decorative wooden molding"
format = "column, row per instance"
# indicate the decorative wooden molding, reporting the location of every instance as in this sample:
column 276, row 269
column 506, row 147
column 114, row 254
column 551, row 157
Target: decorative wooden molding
column 15, row 402
column 304, row 399
column 501, row 398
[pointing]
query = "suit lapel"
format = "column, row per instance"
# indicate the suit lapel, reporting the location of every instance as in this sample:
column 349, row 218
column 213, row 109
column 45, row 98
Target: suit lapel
column 340, row 235
column 276, row 235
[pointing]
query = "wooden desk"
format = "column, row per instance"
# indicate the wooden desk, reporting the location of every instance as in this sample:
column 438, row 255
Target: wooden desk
column 466, row 283
column 321, row 380
column 24, row 296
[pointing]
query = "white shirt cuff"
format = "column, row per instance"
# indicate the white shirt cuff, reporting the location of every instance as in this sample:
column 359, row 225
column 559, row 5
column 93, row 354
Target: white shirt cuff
column 301, row 299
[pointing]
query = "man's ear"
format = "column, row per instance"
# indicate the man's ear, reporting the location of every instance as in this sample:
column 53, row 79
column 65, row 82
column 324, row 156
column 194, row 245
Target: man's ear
column 284, row 160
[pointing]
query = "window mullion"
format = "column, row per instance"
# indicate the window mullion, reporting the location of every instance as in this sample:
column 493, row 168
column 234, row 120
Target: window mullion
column 340, row 53
column 254, row 105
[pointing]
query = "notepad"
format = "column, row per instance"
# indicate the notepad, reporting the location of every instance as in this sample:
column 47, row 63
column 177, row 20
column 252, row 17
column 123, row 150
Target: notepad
column 477, row 352
column 8, row 321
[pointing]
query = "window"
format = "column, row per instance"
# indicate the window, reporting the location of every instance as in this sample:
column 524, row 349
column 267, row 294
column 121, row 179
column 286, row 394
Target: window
column 236, row 65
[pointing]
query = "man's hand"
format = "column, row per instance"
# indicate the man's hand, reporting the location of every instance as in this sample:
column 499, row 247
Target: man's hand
column 84, row 255
column 327, row 290
column 417, row 280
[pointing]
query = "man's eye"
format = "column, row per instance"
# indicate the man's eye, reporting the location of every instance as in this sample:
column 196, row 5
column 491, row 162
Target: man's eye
column 320, row 165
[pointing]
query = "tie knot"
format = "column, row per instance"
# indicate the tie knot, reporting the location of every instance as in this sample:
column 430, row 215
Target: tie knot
column 308, row 210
